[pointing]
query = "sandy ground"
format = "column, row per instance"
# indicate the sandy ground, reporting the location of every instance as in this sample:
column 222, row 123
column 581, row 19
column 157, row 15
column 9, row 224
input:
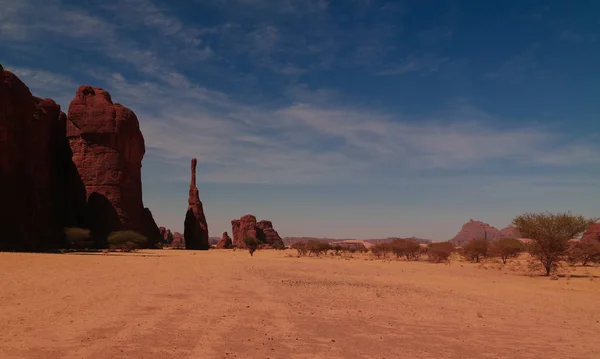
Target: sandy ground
column 225, row 304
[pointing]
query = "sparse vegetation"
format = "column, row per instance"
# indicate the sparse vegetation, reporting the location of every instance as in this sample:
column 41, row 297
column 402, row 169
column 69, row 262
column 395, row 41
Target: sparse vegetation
column 407, row 248
column 252, row 244
column 79, row 238
column 439, row 251
column 126, row 241
column 583, row 252
column 550, row 233
column 506, row 248
column 476, row 249
column 278, row 246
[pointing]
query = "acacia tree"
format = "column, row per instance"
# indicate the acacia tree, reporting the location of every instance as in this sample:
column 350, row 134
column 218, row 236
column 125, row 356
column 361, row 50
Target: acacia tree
column 252, row 245
column 476, row 249
column 506, row 248
column 550, row 233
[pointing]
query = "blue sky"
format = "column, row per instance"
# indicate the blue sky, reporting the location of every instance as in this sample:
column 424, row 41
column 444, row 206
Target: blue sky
column 349, row 119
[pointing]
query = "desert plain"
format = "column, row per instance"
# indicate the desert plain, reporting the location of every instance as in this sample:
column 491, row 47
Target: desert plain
column 226, row 304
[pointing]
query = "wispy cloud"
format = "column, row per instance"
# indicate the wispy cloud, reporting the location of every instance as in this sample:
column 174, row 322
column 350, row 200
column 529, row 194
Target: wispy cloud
column 414, row 63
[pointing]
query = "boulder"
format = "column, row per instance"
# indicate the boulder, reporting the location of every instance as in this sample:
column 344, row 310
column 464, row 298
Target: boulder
column 195, row 230
column 592, row 234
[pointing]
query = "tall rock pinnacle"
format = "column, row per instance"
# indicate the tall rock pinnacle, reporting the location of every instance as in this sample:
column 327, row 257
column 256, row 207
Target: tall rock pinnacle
column 195, row 230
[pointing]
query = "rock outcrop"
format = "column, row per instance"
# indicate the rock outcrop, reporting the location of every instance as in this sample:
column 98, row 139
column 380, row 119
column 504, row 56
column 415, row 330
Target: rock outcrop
column 35, row 164
column 509, row 232
column 167, row 236
column 248, row 227
column 267, row 234
column 225, row 242
column 592, row 234
column 195, row 230
column 475, row 230
column 108, row 148
column 178, row 241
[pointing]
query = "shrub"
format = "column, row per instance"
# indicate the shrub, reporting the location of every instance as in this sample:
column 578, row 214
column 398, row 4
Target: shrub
column 550, row 233
column 381, row 250
column 251, row 244
column 337, row 249
column 476, row 249
column 583, row 252
column 317, row 247
column 126, row 241
column 506, row 248
column 79, row 238
column 278, row 246
column 439, row 251
column 410, row 249
column 301, row 247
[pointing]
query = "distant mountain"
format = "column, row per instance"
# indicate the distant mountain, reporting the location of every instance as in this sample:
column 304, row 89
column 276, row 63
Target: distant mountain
column 477, row 229
column 288, row 241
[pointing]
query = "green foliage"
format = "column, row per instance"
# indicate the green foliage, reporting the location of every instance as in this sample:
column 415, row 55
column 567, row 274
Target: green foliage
column 251, row 244
column 381, row 250
column 476, row 249
column 550, row 233
column 126, row 241
column 506, row 248
column 439, row 251
column 79, row 238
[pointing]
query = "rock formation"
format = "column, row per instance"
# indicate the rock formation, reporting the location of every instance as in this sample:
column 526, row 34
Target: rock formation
column 35, row 165
column 167, row 236
column 475, row 230
column 195, row 230
column 108, row 148
column 267, row 234
column 225, row 242
column 592, row 234
column 178, row 241
column 248, row 227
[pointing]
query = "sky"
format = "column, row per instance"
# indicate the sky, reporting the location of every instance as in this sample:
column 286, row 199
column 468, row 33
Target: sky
column 345, row 119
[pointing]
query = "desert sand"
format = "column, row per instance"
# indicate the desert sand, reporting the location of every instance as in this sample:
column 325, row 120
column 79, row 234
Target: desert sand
column 226, row 304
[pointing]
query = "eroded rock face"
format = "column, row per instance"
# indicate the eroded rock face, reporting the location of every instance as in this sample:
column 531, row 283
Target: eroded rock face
column 509, row 232
column 248, row 227
column 108, row 148
column 34, row 169
column 268, row 234
column 167, row 236
column 195, row 230
column 225, row 242
column 592, row 234
column 475, row 230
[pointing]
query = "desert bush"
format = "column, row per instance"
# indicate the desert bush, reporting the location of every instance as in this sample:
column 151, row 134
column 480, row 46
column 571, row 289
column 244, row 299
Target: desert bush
column 79, row 238
column 583, row 252
column 407, row 248
column 318, row 247
column 337, row 249
column 476, row 249
column 381, row 250
column 278, row 246
column 439, row 251
column 550, row 233
column 506, row 248
column 301, row 248
column 126, row 241
column 252, row 245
